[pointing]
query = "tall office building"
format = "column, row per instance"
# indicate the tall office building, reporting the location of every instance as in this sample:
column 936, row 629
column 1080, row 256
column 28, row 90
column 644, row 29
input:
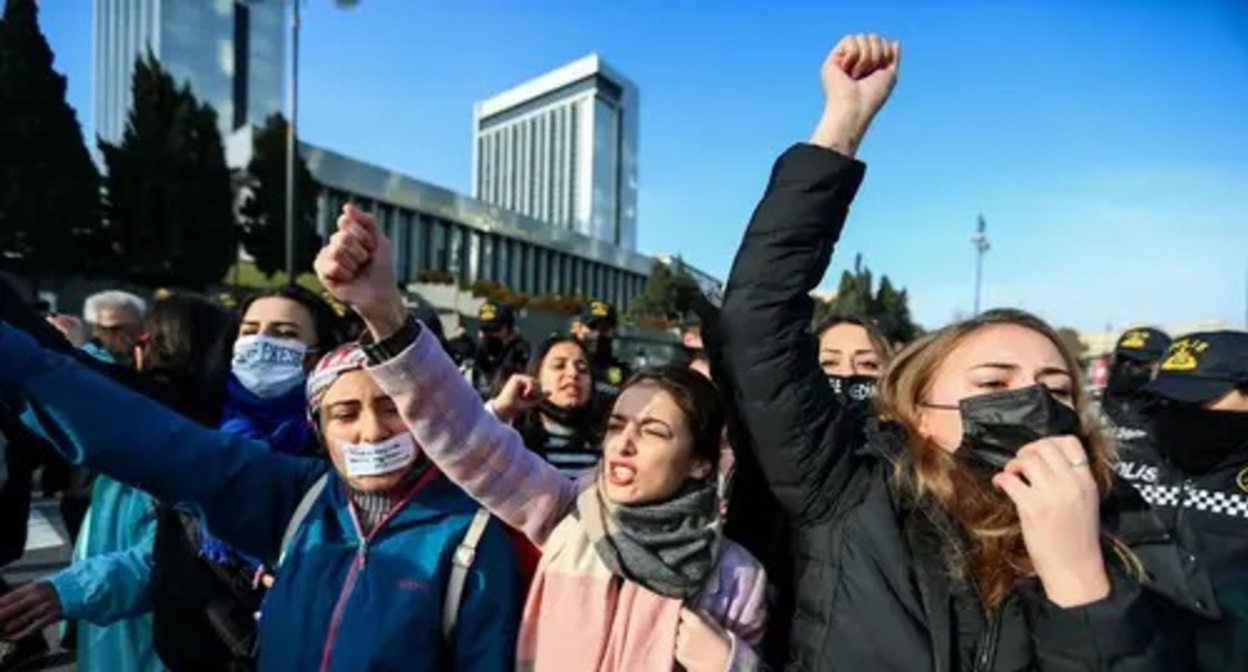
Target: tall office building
column 562, row 148
column 231, row 52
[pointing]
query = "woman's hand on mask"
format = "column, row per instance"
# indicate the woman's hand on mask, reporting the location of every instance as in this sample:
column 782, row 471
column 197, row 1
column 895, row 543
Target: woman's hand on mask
column 1058, row 504
column 519, row 394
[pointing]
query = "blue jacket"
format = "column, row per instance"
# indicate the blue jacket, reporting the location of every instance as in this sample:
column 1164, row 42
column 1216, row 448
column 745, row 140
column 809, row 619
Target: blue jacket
column 106, row 587
column 340, row 603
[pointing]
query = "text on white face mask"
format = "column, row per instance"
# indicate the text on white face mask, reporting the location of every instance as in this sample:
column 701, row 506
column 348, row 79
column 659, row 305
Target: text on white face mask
column 381, row 458
column 269, row 367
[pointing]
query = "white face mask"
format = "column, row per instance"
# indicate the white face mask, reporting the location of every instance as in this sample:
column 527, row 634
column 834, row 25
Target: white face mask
column 377, row 459
column 269, row 367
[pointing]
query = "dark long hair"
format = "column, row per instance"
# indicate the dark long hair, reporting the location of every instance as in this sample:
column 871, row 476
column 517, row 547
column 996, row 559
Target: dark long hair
column 330, row 328
column 186, row 354
column 883, row 348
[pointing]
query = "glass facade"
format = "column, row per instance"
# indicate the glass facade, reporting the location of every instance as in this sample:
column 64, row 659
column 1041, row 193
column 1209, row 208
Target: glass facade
column 566, row 155
column 230, row 52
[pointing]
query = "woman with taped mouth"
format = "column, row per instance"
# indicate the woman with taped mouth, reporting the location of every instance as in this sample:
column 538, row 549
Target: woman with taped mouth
column 368, row 547
column 974, row 525
column 635, row 573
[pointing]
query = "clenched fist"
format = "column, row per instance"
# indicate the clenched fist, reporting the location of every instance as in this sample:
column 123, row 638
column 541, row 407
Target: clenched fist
column 858, row 76
column 519, row 394
column 357, row 267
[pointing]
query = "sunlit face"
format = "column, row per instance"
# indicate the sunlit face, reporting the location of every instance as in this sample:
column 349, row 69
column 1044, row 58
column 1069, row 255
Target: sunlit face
column 648, row 450
column 995, row 358
column 1235, row 400
column 847, row 350
column 564, row 375
column 278, row 317
column 354, row 410
column 118, row 330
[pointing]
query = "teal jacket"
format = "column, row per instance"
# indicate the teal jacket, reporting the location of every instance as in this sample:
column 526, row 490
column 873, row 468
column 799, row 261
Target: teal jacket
column 106, row 587
column 342, row 601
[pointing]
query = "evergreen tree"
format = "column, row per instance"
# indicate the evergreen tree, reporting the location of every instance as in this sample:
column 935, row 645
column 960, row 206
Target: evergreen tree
column 170, row 203
column 888, row 307
column 264, row 210
column 668, row 293
column 49, row 188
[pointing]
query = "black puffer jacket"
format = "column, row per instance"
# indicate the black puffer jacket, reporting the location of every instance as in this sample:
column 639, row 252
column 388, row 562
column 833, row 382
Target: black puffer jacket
column 873, row 593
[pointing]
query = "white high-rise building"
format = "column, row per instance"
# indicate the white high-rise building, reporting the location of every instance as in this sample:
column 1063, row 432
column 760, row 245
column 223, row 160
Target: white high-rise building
column 562, row 148
column 231, row 52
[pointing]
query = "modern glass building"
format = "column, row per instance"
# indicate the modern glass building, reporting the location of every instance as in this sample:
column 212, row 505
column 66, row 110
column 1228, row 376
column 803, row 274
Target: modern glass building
column 562, row 148
column 231, row 52
column 437, row 229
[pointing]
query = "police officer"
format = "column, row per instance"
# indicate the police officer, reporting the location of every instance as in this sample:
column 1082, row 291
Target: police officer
column 595, row 329
column 1126, row 405
column 1195, row 474
column 500, row 351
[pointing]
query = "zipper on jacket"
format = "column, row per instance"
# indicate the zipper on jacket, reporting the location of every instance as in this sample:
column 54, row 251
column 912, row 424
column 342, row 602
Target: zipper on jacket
column 361, row 559
column 988, row 643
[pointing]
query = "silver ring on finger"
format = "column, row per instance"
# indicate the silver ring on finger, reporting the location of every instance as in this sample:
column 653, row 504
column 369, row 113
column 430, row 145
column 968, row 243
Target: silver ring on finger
column 1078, row 464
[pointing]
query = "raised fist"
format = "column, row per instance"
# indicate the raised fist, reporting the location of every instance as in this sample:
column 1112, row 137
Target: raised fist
column 357, row 266
column 858, row 76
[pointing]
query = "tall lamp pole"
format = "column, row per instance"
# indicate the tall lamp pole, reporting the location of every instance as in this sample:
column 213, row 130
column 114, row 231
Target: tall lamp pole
column 980, row 240
column 291, row 140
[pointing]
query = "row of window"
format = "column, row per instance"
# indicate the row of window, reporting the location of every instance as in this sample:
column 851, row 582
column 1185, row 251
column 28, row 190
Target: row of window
column 424, row 242
column 529, row 165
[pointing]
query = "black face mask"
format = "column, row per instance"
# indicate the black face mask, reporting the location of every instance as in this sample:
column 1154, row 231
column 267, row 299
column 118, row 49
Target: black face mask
column 1126, row 377
column 599, row 347
column 489, row 349
column 1196, row 439
column 995, row 426
column 575, row 418
column 853, row 390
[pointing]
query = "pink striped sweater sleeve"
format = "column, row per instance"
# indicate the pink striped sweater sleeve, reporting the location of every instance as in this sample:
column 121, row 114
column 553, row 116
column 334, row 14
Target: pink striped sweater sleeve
column 477, row 451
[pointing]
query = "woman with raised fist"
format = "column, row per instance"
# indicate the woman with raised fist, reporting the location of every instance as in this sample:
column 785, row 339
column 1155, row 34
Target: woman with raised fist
column 973, row 524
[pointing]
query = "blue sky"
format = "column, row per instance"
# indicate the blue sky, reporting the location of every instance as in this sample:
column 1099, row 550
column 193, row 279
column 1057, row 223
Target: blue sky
column 1106, row 143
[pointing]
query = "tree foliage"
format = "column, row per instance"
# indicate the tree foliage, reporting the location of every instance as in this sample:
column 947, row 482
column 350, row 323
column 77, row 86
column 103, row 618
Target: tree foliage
column 49, row 187
column 668, row 293
column 170, row 203
column 887, row 306
column 263, row 214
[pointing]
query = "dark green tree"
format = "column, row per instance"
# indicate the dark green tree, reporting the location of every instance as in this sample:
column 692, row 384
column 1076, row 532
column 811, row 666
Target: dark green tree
column 49, row 188
column 887, row 306
column 170, row 203
column 668, row 293
column 263, row 217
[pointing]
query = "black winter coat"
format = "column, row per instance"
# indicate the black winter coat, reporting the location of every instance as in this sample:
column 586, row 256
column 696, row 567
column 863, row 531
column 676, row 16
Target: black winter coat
column 873, row 592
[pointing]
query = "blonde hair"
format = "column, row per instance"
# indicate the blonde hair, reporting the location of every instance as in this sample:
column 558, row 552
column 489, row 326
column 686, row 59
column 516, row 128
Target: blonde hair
column 995, row 557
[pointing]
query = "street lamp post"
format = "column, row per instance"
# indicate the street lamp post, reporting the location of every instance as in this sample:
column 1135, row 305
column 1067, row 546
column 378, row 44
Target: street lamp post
column 291, row 139
column 980, row 240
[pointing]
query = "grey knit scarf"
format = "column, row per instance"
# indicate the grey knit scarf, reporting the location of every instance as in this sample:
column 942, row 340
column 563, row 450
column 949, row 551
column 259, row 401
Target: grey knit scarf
column 372, row 507
column 669, row 547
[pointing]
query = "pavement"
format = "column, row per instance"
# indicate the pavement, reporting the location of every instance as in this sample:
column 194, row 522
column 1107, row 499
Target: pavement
column 48, row 550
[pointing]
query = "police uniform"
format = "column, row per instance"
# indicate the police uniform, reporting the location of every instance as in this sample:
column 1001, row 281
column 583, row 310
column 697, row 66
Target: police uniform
column 1127, row 408
column 1201, row 497
column 609, row 372
column 492, row 364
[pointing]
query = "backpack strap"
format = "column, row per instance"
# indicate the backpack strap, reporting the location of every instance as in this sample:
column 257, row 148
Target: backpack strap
column 461, row 562
column 301, row 512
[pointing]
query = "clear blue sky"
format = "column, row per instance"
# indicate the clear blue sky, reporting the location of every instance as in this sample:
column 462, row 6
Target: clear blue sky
column 1105, row 142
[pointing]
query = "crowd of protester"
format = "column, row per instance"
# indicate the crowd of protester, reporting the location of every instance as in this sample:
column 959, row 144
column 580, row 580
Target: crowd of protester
column 274, row 487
